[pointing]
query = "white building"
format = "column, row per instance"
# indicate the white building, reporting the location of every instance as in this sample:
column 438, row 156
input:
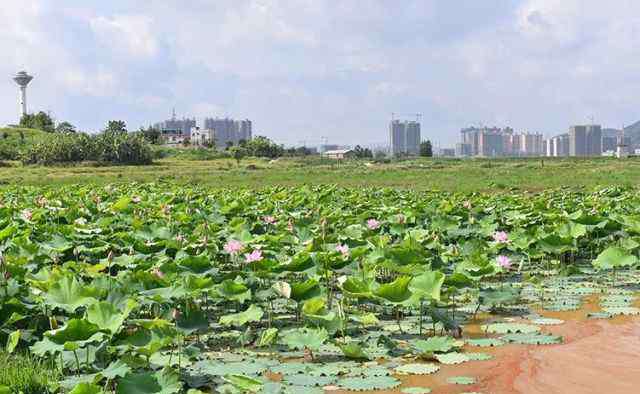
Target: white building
column 202, row 137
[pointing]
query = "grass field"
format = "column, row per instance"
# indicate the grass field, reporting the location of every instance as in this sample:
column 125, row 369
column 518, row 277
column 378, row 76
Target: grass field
column 423, row 174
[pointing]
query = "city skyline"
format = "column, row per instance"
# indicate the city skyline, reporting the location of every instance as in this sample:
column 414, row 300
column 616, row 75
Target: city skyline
column 326, row 70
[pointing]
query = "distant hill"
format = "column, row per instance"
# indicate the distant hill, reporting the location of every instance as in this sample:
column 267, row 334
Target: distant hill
column 632, row 131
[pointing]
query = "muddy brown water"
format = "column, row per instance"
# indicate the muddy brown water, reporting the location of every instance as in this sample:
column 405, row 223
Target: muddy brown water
column 597, row 356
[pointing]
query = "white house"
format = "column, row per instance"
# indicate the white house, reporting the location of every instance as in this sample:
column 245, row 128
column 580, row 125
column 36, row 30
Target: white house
column 339, row 154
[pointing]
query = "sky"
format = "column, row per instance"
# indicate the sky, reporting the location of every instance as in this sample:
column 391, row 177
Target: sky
column 304, row 70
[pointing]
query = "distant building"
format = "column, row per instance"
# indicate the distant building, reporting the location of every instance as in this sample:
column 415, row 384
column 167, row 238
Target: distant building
column 339, row 154
column 447, row 152
column 557, row 146
column 327, row 147
column 229, row 131
column 585, row 140
column 463, row 150
column 174, row 127
column 404, row 137
column 202, row 137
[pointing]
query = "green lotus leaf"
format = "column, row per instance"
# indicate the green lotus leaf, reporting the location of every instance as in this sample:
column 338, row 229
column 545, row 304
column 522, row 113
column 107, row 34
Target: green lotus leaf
column 68, row 294
column 452, row 358
column 161, row 382
column 233, row 291
column 107, row 316
column 309, row 380
column 532, row 339
column 478, row 356
column 192, row 319
column 252, row 314
column 622, row 310
column 427, row 286
column 614, row 257
column 12, row 341
column 357, row 288
column 86, row 388
column 485, row 342
column 510, row 328
column 354, row 351
column 116, row 369
column 76, row 330
column 464, row 380
column 369, row 383
column 244, row 383
column 395, row 292
column 305, row 338
column 417, row 369
column 415, row 390
column 222, row 368
column 434, row 345
column 301, row 291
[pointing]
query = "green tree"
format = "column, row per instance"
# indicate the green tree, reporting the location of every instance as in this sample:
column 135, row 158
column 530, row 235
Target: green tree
column 65, row 127
column 116, row 126
column 152, row 135
column 238, row 153
column 40, row 121
column 426, row 150
column 263, row 147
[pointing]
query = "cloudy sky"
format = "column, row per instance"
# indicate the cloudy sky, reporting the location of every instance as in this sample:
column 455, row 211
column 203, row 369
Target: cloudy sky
column 306, row 69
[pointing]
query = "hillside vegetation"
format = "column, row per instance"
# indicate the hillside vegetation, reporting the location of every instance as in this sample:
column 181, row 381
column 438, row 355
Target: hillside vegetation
column 14, row 141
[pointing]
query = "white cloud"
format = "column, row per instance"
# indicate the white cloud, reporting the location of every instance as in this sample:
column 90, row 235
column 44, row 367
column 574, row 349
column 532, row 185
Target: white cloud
column 100, row 83
column 127, row 34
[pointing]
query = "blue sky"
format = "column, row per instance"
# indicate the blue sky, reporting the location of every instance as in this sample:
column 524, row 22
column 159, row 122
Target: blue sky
column 306, row 69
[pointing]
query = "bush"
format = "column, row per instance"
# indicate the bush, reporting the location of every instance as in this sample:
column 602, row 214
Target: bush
column 109, row 147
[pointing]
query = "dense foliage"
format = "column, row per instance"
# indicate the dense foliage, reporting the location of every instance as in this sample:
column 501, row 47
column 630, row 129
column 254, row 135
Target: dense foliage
column 39, row 121
column 113, row 147
column 159, row 288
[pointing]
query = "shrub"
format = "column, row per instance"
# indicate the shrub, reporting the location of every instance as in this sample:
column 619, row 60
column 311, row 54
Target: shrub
column 109, row 147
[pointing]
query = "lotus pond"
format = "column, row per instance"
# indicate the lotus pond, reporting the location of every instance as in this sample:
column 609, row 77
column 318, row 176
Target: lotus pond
column 155, row 288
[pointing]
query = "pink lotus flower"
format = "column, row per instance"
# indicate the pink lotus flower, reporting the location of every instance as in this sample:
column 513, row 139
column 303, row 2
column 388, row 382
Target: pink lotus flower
column 373, row 224
column 344, row 249
column 256, row 255
column 27, row 215
column 500, row 237
column 503, row 262
column 233, row 246
column 269, row 220
column 158, row 273
column 467, row 204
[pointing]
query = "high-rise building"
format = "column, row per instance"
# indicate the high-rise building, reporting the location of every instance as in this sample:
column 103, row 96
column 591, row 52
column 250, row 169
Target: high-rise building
column 229, row 131
column 578, row 141
column 594, row 140
column 413, row 138
column 176, row 127
column 404, row 137
column 557, row 146
column 585, row 140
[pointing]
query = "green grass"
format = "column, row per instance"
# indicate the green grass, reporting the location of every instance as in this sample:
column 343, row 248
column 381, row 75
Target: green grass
column 24, row 374
column 421, row 174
